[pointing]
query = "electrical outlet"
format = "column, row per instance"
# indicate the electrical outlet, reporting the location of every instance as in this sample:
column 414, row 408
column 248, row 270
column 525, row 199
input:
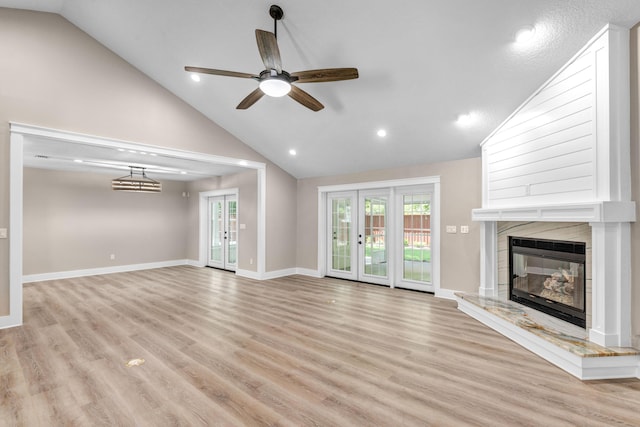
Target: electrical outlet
column 464, row 229
column 251, row 261
column 451, row 229
column 3, row 233
column 112, row 256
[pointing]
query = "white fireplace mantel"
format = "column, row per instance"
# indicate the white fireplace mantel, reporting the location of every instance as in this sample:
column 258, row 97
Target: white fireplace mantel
column 605, row 211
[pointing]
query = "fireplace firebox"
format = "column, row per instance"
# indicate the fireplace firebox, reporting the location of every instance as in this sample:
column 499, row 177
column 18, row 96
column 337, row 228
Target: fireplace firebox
column 549, row 276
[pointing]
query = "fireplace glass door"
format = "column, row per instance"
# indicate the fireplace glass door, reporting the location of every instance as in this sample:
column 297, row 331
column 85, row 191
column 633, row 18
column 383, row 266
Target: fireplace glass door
column 549, row 276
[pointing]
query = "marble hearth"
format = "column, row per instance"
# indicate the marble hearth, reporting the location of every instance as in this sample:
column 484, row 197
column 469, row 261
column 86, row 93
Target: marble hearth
column 562, row 343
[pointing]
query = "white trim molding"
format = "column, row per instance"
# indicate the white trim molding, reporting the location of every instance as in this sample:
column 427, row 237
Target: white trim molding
column 31, row 278
column 14, row 318
column 599, row 211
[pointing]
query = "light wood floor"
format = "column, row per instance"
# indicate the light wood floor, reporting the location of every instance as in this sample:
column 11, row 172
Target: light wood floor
column 222, row 350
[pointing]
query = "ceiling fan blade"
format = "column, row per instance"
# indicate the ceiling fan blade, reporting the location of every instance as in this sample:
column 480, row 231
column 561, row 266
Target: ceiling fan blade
column 251, row 99
column 268, row 47
column 220, row 72
column 305, row 99
column 324, row 75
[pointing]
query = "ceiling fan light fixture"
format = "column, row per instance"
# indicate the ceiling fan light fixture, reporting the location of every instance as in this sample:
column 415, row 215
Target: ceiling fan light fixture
column 275, row 86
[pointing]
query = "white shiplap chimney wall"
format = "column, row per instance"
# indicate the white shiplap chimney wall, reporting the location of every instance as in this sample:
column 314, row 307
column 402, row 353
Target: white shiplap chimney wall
column 564, row 156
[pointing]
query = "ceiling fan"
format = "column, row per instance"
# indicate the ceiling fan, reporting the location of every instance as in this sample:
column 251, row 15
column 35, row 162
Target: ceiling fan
column 276, row 82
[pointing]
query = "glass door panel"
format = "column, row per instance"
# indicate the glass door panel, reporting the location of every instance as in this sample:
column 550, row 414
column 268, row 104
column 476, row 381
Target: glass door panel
column 372, row 238
column 416, row 234
column 231, row 233
column 216, row 232
column 341, row 246
column 223, row 232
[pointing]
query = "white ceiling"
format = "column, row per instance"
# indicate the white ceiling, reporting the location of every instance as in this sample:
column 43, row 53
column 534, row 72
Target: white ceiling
column 422, row 63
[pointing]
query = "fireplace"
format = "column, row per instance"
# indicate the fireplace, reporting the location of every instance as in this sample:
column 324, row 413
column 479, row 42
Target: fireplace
column 549, row 275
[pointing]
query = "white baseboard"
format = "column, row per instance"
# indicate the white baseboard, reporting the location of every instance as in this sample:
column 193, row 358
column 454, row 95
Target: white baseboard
column 446, row 294
column 248, row 274
column 308, row 272
column 195, row 263
column 30, row 278
column 9, row 321
column 278, row 273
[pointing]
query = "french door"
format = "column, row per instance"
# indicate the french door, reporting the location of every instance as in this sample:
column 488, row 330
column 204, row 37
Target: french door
column 357, row 236
column 381, row 236
column 414, row 258
column 223, row 232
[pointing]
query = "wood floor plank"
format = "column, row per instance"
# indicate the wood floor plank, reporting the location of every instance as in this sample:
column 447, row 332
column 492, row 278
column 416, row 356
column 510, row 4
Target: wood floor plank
column 228, row 351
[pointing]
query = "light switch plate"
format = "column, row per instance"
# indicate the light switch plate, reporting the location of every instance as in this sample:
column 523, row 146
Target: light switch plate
column 464, row 229
column 3, row 233
column 451, row 229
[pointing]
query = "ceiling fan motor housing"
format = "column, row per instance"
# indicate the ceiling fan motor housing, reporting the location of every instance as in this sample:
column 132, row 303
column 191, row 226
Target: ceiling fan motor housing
column 276, row 12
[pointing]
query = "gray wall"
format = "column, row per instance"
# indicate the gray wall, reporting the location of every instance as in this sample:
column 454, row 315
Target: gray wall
column 75, row 221
column 460, row 191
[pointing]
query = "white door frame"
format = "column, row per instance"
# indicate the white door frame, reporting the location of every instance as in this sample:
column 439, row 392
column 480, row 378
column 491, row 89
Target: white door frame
column 399, row 228
column 353, row 196
column 389, row 236
column 204, row 231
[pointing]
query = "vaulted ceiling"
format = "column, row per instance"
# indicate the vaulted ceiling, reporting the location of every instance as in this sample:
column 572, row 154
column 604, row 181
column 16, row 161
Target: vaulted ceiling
column 422, row 64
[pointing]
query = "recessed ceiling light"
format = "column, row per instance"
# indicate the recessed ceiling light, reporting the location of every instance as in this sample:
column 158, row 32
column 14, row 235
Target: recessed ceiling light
column 143, row 152
column 292, row 152
column 153, row 154
column 133, row 151
column 466, row 119
column 195, row 77
column 183, row 173
column 77, row 160
column 525, row 34
column 381, row 133
column 121, row 149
